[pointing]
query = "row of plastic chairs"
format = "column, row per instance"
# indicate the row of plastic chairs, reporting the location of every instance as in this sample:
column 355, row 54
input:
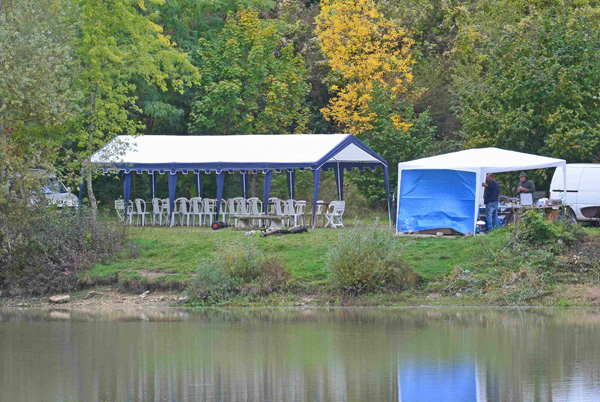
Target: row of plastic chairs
column 203, row 210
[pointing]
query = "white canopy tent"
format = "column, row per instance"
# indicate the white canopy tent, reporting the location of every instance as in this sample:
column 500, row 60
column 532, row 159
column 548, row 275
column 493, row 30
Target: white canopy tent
column 479, row 161
column 159, row 154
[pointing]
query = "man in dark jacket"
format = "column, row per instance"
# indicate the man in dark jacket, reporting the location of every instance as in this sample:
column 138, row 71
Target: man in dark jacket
column 525, row 185
column 490, row 199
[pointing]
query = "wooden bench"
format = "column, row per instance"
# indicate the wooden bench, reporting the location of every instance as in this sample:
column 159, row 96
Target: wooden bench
column 276, row 221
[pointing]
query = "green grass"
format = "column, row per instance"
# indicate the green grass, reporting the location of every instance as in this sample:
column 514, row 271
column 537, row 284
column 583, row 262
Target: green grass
column 175, row 253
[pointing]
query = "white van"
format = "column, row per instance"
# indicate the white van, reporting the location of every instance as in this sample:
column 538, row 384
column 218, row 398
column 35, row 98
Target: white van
column 583, row 186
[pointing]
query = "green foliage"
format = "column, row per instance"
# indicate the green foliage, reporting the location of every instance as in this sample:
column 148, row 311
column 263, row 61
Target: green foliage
column 236, row 268
column 251, row 82
column 43, row 249
column 392, row 143
column 539, row 93
column 36, row 63
column 367, row 259
column 536, row 230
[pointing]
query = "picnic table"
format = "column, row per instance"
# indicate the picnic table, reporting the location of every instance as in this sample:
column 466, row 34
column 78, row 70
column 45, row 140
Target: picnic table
column 275, row 221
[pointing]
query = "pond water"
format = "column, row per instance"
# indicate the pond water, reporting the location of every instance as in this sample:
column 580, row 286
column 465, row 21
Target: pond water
column 348, row 354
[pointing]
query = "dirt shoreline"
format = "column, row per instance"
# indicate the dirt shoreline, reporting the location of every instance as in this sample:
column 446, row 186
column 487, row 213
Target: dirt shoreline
column 103, row 298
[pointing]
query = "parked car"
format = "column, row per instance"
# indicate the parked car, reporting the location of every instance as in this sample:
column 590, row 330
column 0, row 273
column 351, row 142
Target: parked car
column 583, row 187
column 55, row 191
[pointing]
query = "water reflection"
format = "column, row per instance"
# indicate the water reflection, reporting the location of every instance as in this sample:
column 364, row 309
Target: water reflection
column 404, row 354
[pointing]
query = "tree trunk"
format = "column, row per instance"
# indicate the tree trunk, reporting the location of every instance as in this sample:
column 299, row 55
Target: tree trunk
column 90, row 190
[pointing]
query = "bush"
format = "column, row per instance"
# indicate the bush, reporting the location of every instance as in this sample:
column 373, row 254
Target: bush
column 236, row 268
column 43, row 249
column 536, row 230
column 368, row 259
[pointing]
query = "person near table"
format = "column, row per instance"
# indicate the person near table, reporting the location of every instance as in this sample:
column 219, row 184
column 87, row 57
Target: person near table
column 525, row 186
column 490, row 199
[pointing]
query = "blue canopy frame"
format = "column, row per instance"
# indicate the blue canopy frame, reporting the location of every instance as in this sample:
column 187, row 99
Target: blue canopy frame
column 325, row 163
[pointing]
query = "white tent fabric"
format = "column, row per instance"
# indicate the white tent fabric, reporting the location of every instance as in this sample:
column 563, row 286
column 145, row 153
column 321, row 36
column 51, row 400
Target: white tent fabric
column 284, row 149
column 481, row 161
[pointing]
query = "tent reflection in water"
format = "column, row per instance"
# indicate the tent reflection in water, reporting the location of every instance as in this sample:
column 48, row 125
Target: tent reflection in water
column 163, row 154
column 445, row 191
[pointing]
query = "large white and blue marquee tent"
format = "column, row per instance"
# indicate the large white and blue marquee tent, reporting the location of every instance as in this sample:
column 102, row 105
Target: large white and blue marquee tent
column 445, row 191
column 240, row 154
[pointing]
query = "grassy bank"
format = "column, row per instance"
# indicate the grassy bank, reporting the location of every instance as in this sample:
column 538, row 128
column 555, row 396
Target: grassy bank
column 464, row 270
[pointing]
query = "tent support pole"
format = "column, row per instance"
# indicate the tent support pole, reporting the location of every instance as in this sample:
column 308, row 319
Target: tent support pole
column 267, row 190
column 220, row 184
column 126, row 192
column 172, row 188
column 317, row 177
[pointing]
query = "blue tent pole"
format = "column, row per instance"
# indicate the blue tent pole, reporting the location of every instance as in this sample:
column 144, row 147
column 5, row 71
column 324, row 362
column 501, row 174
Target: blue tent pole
column 152, row 185
column 339, row 181
column 387, row 192
column 172, row 188
column 220, row 183
column 267, row 190
column 126, row 191
column 244, row 177
column 291, row 182
column 198, row 182
column 316, row 177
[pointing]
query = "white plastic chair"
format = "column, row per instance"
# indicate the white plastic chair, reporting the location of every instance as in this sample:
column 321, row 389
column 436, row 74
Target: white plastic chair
column 319, row 213
column 131, row 212
column 208, row 209
column 298, row 213
column 182, row 210
column 196, row 210
column 231, row 206
column 165, row 210
column 241, row 205
column 120, row 209
column 140, row 211
column 335, row 214
column 289, row 209
column 223, row 210
column 255, row 207
column 156, row 211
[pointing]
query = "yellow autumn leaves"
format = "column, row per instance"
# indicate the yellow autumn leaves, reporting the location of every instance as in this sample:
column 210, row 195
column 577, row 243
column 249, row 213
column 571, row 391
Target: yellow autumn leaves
column 365, row 49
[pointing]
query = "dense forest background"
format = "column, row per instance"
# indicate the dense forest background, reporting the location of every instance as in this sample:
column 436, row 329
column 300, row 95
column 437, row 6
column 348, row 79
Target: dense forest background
column 409, row 78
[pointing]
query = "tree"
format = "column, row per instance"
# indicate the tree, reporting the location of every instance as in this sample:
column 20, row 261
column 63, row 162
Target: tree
column 120, row 45
column 539, row 93
column 251, row 81
column 36, row 63
column 364, row 49
column 371, row 64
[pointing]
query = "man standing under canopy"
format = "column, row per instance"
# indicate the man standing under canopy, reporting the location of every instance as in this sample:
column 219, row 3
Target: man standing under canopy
column 525, row 186
column 490, row 199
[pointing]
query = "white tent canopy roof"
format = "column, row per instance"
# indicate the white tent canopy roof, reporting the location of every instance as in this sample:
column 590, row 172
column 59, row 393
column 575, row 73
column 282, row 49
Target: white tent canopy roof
column 235, row 152
column 489, row 160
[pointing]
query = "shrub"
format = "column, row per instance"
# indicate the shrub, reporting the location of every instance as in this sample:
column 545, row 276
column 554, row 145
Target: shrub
column 237, row 268
column 536, row 230
column 368, row 259
column 43, row 249
column 210, row 285
column 240, row 261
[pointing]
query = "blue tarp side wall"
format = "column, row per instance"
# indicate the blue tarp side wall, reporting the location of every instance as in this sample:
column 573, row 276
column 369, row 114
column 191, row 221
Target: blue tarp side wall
column 446, row 381
column 436, row 199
